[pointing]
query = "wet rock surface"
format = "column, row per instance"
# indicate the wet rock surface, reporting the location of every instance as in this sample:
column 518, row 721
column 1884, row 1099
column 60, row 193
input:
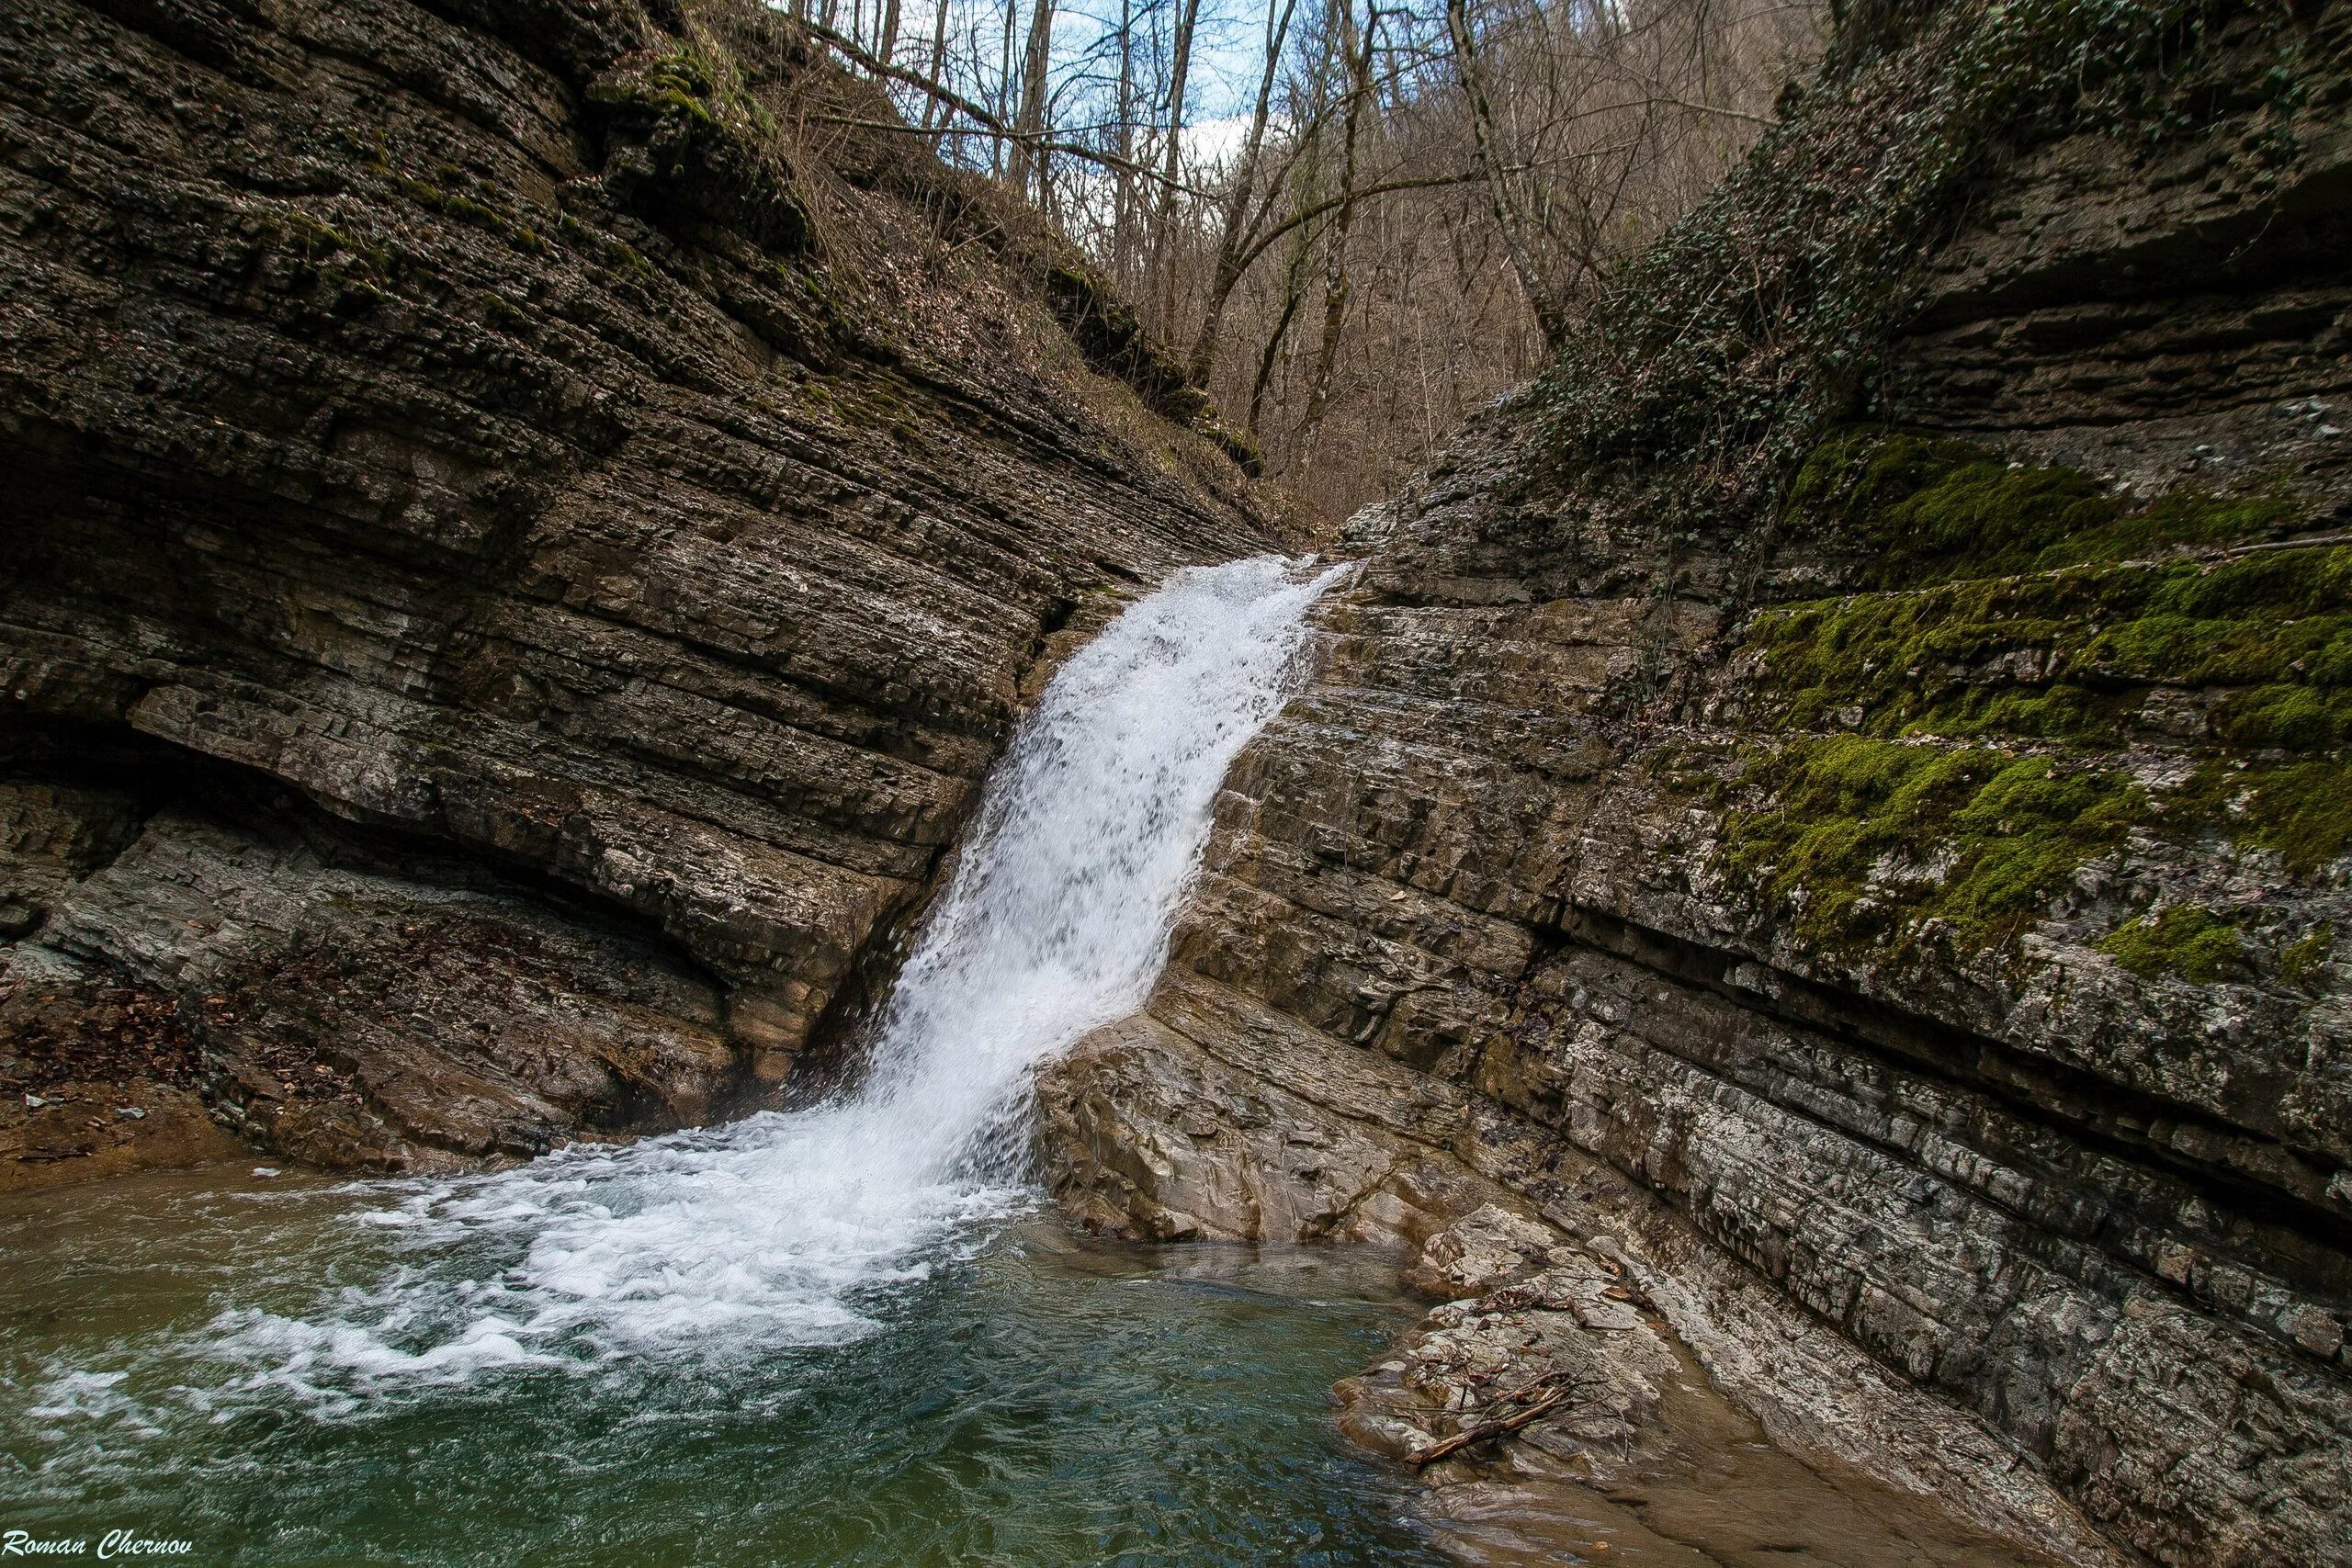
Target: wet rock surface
column 1608, row 1438
column 1943, row 1028
column 97, row 1079
column 1229, row 1125
column 518, row 564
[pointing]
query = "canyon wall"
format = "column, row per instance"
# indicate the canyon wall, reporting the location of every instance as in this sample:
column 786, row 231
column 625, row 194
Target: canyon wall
column 1833, row 803
column 528, row 521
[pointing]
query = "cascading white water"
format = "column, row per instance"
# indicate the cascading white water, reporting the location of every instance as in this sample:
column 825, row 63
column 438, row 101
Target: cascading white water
column 780, row 1229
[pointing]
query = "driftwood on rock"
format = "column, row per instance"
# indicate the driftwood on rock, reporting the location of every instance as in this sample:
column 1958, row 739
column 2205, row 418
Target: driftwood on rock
column 1548, row 1392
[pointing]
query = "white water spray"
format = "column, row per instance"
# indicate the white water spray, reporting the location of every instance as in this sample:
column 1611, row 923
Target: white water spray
column 783, row 1228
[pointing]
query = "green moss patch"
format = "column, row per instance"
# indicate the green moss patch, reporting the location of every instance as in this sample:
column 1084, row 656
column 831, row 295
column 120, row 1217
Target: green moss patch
column 322, row 241
column 2301, row 963
column 1867, row 847
column 2187, row 942
column 1706, row 367
column 1864, row 842
column 1929, row 510
column 685, row 83
column 464, row 208
column 2070, row 656
column 2303, row 810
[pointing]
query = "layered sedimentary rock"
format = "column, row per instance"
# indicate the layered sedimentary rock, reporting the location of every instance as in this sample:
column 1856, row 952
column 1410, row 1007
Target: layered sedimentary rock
column 1867, row 853
column 525, row 528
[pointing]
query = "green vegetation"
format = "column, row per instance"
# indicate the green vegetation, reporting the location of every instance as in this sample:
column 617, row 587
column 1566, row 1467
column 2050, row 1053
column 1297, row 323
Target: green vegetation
column 2065, row 657
column 1707, row 367
column 2299, row 962
column 2067, row 650
column 2069, row 656
column 2187, row 942
column 2025, row 615
column 680, row 83
column 320, row 241
column 694, row 83
column 606, row 247
column 1713, row 359
column 466, row 209
column 1843, row 845
column 702, row 141
column 2064, row 653
column 1858, row 840
column 1931, row 508
column 1864, row 842
column 2303, row 810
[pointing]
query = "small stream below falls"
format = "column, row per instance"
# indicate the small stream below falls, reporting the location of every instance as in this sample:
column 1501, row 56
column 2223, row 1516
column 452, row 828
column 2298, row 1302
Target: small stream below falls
column 1034, row 1399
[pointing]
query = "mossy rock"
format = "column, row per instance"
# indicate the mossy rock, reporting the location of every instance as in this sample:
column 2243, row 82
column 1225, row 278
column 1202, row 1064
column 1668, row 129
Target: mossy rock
column 2187, row 942
column 1870, row 845
column 1113, row 340
column 2027, row 601
column 2301, row 810
column 682, row 149
column 1872, row 848
column 1929, row 509
column 2302, row 963
column 2071, row 655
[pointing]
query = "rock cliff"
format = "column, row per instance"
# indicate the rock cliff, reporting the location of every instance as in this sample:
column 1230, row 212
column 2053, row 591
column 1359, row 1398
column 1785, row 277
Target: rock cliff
column 528, row 521
column 1831, row 807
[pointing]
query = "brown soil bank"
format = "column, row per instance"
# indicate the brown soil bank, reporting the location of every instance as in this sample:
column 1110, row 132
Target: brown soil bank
column 523, row 538
column 1829, row 815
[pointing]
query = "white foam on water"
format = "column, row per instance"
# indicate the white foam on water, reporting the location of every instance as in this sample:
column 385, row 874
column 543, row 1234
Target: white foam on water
column 788, row 1228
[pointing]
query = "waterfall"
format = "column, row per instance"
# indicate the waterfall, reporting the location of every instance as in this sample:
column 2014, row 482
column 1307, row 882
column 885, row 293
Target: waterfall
column 791, row 1228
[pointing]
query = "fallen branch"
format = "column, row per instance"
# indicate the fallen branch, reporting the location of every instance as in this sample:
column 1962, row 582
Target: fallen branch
column 1558, row 1395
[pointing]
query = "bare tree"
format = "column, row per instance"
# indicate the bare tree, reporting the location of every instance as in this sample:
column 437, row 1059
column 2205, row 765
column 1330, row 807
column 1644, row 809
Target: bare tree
column 938, row 72
column 1424, row 196
column 1179, row 71
column 1550, row 317
column 1241, row 188
column 1030, row 125
column 1356, row 46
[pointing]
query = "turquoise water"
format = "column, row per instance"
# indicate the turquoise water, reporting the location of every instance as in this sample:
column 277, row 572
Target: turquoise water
column 1033, row 1397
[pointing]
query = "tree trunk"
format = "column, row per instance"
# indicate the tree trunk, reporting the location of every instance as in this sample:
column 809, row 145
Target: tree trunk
column 1294, row 295
column 1549, row 318
column 1122, row 192
column 1030, row 124
column 931, row 105
column 1004, row 112
column 1180, row 65
column 1358, row 48
column 1227, row 275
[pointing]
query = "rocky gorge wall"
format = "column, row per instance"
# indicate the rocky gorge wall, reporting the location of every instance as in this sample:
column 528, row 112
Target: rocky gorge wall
column 1818, row 843
column 1823, row 824
column 525, row 529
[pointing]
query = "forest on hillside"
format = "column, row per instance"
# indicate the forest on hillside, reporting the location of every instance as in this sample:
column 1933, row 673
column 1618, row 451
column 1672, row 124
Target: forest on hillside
column 1354, row 222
